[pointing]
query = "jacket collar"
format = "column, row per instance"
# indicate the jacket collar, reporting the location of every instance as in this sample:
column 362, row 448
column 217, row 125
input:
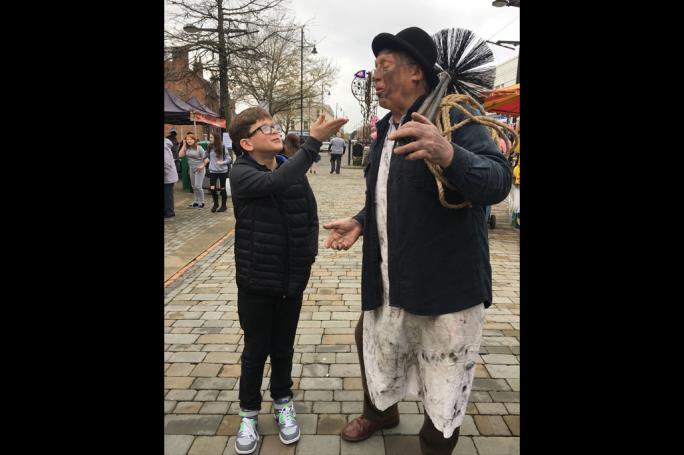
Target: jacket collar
column 280, row 159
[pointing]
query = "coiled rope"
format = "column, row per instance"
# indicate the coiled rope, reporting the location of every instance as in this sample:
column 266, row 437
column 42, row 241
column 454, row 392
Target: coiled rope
column 443, row 122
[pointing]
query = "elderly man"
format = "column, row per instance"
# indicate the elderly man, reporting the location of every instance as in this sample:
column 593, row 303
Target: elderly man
column 426, row 276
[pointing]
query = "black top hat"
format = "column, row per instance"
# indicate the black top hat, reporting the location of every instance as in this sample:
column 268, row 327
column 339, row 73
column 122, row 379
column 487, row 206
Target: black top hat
column 415, row 42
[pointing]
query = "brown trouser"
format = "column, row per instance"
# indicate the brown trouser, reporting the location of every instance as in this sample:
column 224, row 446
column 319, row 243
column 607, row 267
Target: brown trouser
column 432, row 441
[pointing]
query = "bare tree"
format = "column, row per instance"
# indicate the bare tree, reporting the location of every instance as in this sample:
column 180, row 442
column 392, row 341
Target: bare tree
column 224, row 30
column 275, row 76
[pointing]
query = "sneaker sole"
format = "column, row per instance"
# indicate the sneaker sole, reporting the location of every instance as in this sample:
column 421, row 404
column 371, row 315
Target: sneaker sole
column 246, row 452
column 291, row 441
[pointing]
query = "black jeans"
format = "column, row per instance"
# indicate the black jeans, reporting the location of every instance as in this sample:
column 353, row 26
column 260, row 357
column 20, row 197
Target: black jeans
column 335, row 163
column 221, row 177
column 269, row 324
column 168, row 199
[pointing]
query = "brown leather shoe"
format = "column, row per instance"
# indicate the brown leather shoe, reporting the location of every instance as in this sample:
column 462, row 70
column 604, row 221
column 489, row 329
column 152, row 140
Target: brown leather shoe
column 362, row 428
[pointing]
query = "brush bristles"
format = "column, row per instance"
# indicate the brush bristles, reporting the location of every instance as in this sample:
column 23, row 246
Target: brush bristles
column 465, row 68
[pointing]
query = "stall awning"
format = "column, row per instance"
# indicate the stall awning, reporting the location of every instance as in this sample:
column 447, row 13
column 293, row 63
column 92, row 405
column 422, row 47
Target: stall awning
column 504, row 100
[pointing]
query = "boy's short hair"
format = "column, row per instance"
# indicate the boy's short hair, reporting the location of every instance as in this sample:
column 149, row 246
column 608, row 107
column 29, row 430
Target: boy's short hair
column 243, row 122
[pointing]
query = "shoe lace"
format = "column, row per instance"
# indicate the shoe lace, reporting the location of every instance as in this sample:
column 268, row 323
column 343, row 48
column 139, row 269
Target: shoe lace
column 287, row 415
column 247, row 429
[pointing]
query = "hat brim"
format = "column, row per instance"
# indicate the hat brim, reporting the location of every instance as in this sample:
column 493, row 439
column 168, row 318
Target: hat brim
column 389, row 41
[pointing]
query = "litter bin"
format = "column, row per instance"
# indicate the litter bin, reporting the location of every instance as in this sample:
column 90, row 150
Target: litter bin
column 185, row 176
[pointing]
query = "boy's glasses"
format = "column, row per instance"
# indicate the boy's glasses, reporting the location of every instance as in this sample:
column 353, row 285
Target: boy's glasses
column 267, row 129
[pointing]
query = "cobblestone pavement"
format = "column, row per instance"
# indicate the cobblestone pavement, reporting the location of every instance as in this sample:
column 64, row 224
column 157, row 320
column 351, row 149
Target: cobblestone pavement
column 192, row 230
column 203, row 342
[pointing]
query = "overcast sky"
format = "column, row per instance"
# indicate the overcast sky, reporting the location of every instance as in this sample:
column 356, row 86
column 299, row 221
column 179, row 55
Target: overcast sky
column 344, row 29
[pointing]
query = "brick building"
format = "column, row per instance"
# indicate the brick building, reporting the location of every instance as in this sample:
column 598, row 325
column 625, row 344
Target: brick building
column 186, row 82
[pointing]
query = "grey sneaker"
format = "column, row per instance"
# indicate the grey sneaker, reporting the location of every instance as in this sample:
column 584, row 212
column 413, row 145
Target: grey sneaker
column 247, row 435
column 284, row 413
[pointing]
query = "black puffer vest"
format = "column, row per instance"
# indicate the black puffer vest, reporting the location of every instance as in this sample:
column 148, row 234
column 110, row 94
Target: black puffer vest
column 276, row 230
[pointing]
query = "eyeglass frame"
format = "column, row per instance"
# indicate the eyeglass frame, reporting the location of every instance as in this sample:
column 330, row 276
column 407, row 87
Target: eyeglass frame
column 274, row 127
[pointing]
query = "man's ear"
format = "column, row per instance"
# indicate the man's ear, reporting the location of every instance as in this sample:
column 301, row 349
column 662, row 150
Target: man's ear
column 417, row 73
column 246, row 145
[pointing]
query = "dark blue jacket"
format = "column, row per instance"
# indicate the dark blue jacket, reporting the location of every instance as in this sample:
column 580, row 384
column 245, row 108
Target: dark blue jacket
column 438, row 257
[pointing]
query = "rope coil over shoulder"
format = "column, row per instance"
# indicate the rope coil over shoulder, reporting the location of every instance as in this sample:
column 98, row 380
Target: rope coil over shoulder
column 431, row 109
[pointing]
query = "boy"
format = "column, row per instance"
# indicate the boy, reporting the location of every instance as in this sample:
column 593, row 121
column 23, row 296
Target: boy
column 276, row 242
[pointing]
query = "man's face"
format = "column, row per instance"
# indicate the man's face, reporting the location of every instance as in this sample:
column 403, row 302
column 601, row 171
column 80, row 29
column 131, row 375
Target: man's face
column 261, row 142
column 167, row 129
column 392, row 77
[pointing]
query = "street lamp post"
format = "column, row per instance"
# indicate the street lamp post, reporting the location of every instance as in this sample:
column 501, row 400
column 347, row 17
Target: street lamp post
column 301, row 83
column 501, row 3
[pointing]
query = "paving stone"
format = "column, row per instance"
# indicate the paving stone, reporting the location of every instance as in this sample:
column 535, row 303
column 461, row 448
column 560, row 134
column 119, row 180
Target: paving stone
column 177, row 382
column 408, row 424
column 318, row 445
column 504, row 371
column 348, row 395
column 179, row 369
column 207, row 370
column 338, row 339
column 206, row 395
column 208, row 445
column 333, row 348
column 490, row 384
column 321, row 384
column 514, row 383
column 404, row 407
column 331, row 423
column 497, row 446
column 345, row 370
column 465, row 446
column 502, row 359
column 191, row 424
column 513, row 423
column 491, row 408
column 513, row 408
column 228, row 395
column 310, row 339
column 169, row 406
column 371, row 446
column 180, row 339
column 319, row 395
column 187, row 357
column 347, row 358
column 210, row 407
column 214, row 383
column 177, row 444
column 506, row 397
column 222, row 357
column 219, row 339
column 230, row 371
column 315, row 370
column 327, row 407
column 229, row 425
column 352, row 407
column 352, row 384
column 181, row 395
column 271, row 445
column 402, row 445
column 468, row 427
column 478, row 396
column 187, row 407
column 491, row 425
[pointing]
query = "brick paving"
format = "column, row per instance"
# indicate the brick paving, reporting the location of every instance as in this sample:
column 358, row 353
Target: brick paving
column 203, row 342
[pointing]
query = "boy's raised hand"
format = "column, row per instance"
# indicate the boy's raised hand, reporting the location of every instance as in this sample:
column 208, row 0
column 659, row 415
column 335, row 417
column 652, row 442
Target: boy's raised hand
column 322, row 130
